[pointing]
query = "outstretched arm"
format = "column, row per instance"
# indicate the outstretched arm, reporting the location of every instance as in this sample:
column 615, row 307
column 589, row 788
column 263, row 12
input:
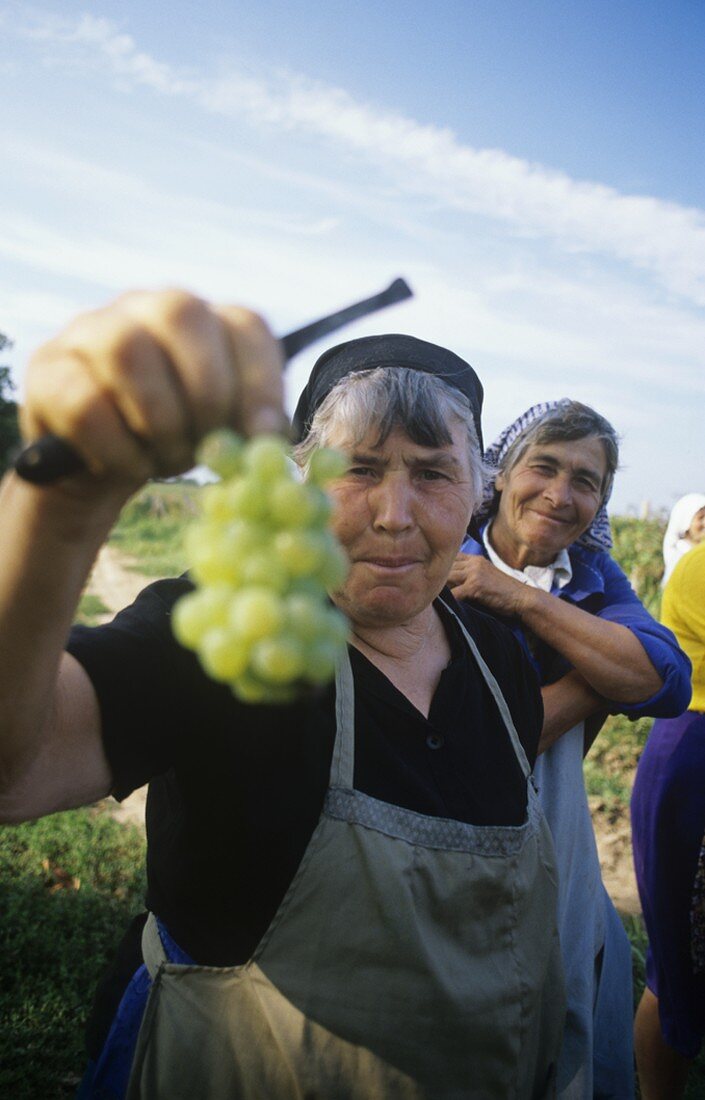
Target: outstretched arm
column 132, row 387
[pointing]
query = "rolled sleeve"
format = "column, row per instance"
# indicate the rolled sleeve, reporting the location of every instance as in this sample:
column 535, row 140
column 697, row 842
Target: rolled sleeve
column 624, row 607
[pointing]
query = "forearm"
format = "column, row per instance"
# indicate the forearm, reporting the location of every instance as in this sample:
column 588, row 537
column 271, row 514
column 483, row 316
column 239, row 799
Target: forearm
column 569, row 701
column 607, row 655
column 49, row 541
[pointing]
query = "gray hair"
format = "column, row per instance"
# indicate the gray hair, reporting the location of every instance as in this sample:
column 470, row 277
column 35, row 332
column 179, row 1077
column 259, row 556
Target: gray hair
column 385, row 398
column 569, row 421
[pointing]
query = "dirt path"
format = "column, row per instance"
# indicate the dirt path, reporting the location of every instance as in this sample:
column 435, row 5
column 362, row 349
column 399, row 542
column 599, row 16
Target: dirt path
column 112, row 582
column 117, row 587
column 614, row 845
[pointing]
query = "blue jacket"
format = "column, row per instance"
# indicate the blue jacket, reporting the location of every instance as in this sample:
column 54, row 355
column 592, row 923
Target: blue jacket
column 600, row 587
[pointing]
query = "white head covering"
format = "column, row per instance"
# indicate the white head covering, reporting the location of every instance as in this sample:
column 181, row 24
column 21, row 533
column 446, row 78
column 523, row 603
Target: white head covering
column 675, row 543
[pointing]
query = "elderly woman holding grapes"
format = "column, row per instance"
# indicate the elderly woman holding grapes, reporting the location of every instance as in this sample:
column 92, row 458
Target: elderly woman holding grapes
column 351, row 893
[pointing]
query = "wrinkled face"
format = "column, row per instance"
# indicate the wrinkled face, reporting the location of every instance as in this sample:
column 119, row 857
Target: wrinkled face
column 400, row 512
column 549, row 497
column 696, row 531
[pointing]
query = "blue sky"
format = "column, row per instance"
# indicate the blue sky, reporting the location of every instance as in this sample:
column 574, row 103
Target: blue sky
column 534, row 169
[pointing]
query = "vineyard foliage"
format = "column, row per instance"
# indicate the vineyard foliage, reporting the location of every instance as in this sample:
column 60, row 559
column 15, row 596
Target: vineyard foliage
column 637, row 548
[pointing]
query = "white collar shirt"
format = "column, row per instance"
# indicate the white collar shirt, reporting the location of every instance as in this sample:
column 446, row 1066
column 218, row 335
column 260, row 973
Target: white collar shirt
column 556, row 574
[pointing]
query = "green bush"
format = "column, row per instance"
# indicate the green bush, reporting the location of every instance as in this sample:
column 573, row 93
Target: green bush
column 638, row 549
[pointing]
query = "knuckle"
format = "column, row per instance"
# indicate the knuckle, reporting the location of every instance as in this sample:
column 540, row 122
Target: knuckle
column 125, row 349
column 178, row 308
column 247, row 323
column 171, row 307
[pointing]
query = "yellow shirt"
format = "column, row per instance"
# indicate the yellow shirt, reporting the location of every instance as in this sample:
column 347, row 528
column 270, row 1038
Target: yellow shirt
column 683, row 611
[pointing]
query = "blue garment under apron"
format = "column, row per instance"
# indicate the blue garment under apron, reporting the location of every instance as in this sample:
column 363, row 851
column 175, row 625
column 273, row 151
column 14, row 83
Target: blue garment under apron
column 107, row 1078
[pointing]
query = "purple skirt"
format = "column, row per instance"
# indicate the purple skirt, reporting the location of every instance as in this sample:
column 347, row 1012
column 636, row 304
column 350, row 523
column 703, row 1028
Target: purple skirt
column 668, row 826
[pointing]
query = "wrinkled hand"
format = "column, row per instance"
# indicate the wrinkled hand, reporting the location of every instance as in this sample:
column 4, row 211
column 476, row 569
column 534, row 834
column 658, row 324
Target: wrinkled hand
column 474, row 578
column 133, row 387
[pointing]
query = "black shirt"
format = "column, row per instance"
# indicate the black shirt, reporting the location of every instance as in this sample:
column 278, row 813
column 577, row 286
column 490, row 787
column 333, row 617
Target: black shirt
column 236, row 790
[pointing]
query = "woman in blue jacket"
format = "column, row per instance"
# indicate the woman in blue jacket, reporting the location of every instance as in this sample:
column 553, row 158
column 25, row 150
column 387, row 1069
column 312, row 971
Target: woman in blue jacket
column 540, row 560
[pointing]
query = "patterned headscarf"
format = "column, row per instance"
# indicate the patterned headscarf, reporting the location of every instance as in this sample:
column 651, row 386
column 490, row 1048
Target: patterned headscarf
column 598, row 535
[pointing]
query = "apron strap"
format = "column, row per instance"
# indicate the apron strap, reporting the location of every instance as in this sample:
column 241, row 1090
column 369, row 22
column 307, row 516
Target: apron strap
column 342, row 766
column 496, row 694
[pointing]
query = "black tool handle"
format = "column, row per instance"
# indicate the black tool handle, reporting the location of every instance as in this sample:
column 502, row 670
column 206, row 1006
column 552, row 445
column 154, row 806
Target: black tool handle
column 49, row 458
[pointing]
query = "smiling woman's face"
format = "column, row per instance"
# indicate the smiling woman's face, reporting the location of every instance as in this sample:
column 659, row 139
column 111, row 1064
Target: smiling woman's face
column 549, row 497
column 400, row 511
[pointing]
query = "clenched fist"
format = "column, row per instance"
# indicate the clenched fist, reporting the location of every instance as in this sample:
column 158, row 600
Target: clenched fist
column 134, row 386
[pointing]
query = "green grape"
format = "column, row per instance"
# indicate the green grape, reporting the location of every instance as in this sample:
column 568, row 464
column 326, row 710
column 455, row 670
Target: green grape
column 337, row 628
column 215, row 504
column 265, row 458
column 323, row 504
column 197, row 612
column 242, row 538
column 265, row 569
column 256, row 613
column 263, row 559
column 321, row 659
column 335, row 564
column 305, row 615
column 251, row 690
column 301, row 552
column 247, row 499
column 292, row 503
column 278, row 660
column 222, row 452
column 223, row 654
column 209, row 565
column 325, row 465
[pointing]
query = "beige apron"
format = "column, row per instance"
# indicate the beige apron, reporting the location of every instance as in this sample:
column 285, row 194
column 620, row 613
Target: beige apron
column 412, row 957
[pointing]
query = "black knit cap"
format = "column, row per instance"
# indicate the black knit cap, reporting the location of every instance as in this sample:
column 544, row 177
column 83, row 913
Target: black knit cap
column 385, row 351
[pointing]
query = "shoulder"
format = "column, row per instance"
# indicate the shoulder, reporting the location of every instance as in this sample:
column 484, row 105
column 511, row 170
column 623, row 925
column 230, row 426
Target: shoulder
column 599, row 561
column 485, row 628
column 598, row 579
column 497, row 644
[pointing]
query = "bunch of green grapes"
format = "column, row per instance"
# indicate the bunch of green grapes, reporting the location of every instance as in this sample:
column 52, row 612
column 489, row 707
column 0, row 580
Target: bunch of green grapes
column 263, row 560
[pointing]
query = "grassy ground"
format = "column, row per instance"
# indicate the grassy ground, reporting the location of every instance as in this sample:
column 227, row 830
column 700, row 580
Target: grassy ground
column 90, row 609
column 68, row 887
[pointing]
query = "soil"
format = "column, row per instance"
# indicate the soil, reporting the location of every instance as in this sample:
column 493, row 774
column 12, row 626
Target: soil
column 614, row 844
column 117, row 586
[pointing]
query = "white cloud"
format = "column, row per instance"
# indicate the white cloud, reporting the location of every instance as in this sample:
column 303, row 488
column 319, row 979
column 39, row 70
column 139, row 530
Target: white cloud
column 550, row 286
column 653, row 235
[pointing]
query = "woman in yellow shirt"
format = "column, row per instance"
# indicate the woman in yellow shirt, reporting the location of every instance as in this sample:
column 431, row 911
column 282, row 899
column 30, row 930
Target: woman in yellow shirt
column 668, row 826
